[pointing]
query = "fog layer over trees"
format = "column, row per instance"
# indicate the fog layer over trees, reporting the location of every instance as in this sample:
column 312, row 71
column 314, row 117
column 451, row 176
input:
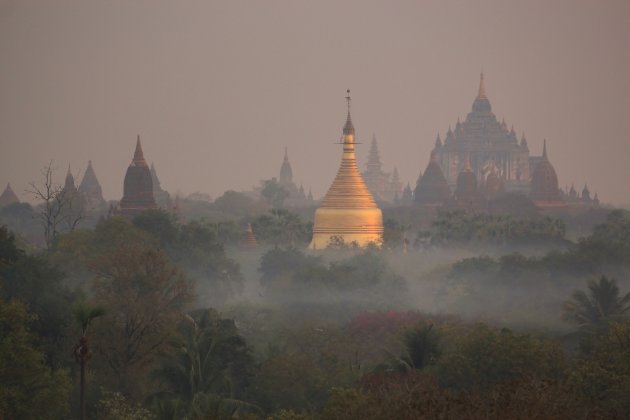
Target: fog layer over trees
column 473, row 316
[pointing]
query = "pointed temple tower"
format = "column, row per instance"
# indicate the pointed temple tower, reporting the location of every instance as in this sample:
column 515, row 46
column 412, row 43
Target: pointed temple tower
column 75, row 205
column 432, row 189
column 378, row 181
column 69, row 187
column 545, row 192
column 91, row 188
column 348, row 210
column 296, row 196
column 138, row 187
column 487, row 142
column 286, row 173
column 8, row 197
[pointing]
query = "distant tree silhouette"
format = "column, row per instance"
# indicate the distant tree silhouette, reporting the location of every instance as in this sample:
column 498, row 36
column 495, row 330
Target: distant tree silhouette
column 600, row 304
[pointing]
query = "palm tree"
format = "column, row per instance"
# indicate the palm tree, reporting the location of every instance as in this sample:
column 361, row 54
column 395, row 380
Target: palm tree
column 602, row 303
column 84, row 314
column 421, row 347
column 203, row 376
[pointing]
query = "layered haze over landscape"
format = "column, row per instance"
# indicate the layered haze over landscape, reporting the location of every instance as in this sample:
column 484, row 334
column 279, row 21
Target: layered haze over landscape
column 314, row 210
column 218, row 89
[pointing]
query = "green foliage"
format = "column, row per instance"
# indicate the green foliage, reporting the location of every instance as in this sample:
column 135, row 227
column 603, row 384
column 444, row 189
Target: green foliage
column 603, row 374
column 159, row 224
column 602, row 304
column 394, row 233
column 274, row 193
column 346, row 403
column 195, row 247
column 289, row 415
column 144, row 295
column 84, row 314
column 460, row 227
column 278, row 261
column 282, row 227
column 238, row 205
column 422, row 345
column 610, row 241
column 28, row 388
column 115, row 406
column 39, row 284
column 228, row 233
column 486, row 356
column 302, row 365
column 418, row 396
column 517, row 283
column 9, row 252
column 290, row 272
column 206, row 371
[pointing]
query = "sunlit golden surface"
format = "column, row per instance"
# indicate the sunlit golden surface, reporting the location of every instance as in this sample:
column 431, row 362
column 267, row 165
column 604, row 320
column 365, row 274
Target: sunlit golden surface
column 348, row 211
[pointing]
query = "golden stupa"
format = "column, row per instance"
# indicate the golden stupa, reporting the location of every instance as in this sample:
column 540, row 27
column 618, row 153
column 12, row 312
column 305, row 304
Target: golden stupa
column 348, row 211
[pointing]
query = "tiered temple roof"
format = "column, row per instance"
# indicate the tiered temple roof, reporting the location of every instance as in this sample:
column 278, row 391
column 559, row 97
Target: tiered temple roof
column 138, row 186
column 487, row 142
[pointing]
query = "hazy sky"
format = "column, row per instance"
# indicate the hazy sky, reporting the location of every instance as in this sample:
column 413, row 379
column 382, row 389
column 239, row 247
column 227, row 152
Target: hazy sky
column 216, row 89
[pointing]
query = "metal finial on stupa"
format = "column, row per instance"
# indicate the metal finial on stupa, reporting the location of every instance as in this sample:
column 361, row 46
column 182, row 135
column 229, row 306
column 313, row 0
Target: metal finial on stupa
column 349, row 127
column 482, row 88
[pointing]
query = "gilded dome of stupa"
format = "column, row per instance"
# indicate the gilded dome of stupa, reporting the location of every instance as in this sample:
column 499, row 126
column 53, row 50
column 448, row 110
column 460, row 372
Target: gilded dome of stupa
column 348, row 212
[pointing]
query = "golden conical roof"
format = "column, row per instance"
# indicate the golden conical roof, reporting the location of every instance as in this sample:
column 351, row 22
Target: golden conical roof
column 348, row 190
column 348, row 212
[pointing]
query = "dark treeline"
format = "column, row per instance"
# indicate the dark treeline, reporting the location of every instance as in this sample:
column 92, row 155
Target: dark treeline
column 179, row 322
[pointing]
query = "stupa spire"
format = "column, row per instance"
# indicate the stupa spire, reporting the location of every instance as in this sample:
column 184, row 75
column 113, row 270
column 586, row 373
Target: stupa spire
column 138, row 156
column 482, row 88
column 349, row 127
column 348, row 211
column 544, row 154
